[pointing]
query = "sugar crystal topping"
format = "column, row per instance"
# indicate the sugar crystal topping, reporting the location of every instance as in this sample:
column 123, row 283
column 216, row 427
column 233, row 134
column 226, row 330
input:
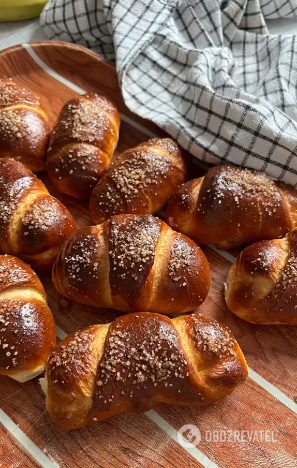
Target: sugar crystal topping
column 43, row 215
column 11, row 94
column 285, row 289
column 144, row 353
column 11, row 273
column 132, row 247
column 246, row 185
column 144, row 172
column 212, row 338
column 181, row 257
column 84, row 121
column 13, row 125
column 72, row 358
column 166, row 144
column 80, row 260
column 21, row 329
column 12, row 188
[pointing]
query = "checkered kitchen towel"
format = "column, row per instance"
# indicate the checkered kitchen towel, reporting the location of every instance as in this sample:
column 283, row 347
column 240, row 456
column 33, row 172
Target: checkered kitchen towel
column 206, row 71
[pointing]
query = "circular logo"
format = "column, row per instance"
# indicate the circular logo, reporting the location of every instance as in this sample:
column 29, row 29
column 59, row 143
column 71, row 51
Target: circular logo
column 189, row 436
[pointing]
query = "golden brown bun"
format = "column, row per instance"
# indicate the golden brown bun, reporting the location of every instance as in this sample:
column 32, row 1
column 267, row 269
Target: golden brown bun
column 230, row 206
column 33, row 224
column 133, row 263
column 24, row 128
column 262, row 283
column 139, row 181
column 138, row 361
column 82, row 143
column 27, row 329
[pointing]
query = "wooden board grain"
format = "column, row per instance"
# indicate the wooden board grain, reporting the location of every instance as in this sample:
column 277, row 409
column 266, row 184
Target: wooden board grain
column 129, row 440
column 135, row 440
column 12, row 453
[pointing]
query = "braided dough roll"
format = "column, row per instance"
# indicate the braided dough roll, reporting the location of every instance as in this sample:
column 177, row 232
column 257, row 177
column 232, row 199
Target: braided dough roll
column 138, row 361
column 27, row 329
column 139, row 181
column 33, row 224
column 24, row 128
column 262, row 283
column 82, row 144
column 230, row 206
column 133, row 263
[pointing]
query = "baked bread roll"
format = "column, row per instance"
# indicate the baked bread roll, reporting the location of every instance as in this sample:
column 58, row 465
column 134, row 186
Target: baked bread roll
column 262, row 283
column 27, row 328
column 33, row 224
column 24, row 128
column 230, row 206
column 138, row 361
column 82, row 143
column 133, row 263
column 139, row 181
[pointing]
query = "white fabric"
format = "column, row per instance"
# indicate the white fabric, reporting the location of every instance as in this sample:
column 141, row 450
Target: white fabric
column 204, row 70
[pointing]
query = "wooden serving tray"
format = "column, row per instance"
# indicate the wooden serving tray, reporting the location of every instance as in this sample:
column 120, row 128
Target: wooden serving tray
column 266, row 402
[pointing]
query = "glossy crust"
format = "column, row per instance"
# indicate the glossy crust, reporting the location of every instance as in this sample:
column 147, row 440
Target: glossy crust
column 133, row 263
column 262, row 283
column 24, row 128
column 82, row 143
column 138, row 361
column 27, row 331
column 139, row 181
column 33, row 224
column 230, row 206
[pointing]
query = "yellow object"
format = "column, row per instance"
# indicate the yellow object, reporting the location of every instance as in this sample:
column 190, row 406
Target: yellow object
column 17, row 10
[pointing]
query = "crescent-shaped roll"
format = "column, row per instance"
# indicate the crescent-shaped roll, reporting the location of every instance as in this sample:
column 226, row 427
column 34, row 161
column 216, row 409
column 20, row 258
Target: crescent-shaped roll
column 24, row 127
column 33, row 224
column 82, row 144
column 139, row 181
column 133, row 263
column 27, row 328
column 138, row 361
column 262, row 283
column 230, row 206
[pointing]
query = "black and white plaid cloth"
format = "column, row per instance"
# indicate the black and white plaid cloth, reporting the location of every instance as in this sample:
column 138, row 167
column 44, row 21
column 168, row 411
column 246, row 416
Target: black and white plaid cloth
column 206, row 71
